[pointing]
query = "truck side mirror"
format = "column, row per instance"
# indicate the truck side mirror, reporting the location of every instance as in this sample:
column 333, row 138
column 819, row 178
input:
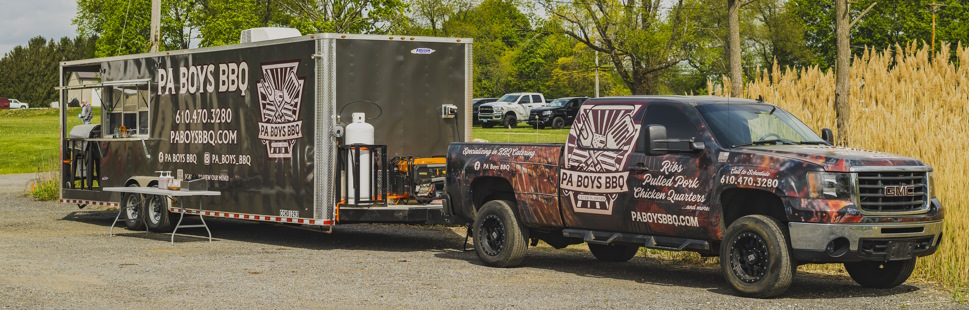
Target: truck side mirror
column 658, row 144
column 827, row 135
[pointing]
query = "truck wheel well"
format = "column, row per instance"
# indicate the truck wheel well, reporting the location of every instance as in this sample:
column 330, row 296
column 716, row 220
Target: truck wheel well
column 130, row 182
column 740, row 202
column 487, row 189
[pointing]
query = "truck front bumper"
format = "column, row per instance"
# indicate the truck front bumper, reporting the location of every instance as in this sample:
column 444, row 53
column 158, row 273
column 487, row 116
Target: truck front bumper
column 490, row 117
column 829, row 243
column 543, row 120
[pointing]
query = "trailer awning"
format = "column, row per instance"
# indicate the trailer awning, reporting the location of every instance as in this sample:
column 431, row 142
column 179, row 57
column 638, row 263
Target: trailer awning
column 139, row 83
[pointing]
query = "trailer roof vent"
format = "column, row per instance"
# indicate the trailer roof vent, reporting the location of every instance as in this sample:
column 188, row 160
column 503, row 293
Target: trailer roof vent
column 267, row 33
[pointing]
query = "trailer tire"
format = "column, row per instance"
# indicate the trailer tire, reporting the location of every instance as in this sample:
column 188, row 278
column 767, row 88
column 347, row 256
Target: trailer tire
column 131, row 205
column 613, row 253
column 558, row 122
column 880, row 274
column 156, row 214
column 510, row 121
column 755, row 258
column 499, row 239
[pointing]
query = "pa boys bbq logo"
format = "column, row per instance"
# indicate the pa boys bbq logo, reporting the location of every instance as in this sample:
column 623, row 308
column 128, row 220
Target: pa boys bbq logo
column 593, row 176
column 280, row 96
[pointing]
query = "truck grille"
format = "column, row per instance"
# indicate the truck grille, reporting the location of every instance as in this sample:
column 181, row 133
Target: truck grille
column 892, row 191
column 485, row 110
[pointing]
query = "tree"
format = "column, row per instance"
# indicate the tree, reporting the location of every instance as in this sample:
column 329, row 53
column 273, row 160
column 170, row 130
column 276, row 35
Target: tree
column 887, row 23
column 736, row 68
column 497, row 27
column 780, row 37
column 345, row 16
column 32, row 70
column 638, row 38
column 122, row 27
column 842, row 90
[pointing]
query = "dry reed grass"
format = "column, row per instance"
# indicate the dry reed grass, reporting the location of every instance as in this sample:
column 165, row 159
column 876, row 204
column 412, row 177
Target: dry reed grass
column 903, row 102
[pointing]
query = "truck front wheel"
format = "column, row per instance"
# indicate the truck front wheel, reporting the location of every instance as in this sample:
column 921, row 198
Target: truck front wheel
column 881, row 274
column 499, row 240
column 614, row 253
column 755, row 258
column 558, row 122
column 511, row 121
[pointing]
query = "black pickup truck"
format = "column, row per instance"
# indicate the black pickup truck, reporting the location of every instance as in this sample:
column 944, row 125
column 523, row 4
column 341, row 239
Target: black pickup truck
column 558, row 114
column 740, row 179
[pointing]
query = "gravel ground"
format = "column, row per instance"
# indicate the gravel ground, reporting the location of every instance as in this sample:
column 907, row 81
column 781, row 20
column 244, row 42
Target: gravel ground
column 56, row 256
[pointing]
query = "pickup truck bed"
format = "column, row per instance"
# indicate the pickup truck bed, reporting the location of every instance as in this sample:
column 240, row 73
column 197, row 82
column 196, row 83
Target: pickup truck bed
column 526, row 172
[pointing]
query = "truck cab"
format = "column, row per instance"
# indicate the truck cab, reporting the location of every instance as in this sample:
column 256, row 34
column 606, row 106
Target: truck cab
column 740, row 179
column 509, row 109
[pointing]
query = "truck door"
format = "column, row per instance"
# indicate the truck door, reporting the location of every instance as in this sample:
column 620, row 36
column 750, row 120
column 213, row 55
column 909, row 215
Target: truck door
column 668, row 193
column 594, row 176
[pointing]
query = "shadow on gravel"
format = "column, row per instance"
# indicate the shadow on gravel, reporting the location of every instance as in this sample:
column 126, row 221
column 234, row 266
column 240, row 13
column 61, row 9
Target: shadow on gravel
column 388, row 237
column 448, row 245
column 664, row 273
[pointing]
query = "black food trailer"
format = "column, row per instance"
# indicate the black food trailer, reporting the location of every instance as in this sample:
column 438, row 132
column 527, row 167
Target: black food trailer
column 280, row 128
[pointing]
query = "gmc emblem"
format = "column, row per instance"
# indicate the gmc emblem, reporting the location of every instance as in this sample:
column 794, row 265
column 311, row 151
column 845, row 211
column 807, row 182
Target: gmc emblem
column 899, row 191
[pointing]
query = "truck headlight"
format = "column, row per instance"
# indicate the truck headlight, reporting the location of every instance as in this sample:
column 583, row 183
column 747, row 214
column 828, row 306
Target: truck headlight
column 931, row 177
column 830, row 185
column 546, row 113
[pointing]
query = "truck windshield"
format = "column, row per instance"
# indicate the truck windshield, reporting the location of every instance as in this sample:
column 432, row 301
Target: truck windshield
column 749, row 124
column 558, row 103
column 509, row 98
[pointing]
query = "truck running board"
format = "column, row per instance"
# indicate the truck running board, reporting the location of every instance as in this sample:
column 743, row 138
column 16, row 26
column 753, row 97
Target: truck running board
column 652, row 242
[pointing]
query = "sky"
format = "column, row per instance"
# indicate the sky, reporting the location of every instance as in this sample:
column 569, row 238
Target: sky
column 21, row 20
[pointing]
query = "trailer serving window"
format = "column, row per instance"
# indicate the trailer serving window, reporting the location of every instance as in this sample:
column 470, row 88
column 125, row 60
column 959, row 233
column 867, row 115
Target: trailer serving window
column 128, row 106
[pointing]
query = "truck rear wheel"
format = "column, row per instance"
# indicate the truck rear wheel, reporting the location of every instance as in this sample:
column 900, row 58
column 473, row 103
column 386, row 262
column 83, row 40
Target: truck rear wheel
column 755, row 257
column 510, row 121
column 156, row 214
column 499, row 239
column 558, row 122
column 613, row 253
column 881, row 274
column 131, row 205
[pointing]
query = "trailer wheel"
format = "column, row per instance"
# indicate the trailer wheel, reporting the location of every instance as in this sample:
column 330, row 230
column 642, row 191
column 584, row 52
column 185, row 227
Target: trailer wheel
column 156, row 214
column 510, row 121
column 558, row 122
column 499, row 239
column 613, row 253
column 881, row 274
column 755, row 258
column 131, row 212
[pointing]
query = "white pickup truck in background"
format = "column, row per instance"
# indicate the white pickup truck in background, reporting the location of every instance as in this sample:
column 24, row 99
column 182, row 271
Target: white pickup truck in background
column 509, row 109
column 16, row 104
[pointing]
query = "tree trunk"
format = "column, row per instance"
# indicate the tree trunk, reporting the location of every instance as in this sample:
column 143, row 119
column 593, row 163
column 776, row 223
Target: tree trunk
column 733, row 47
column 842, row 89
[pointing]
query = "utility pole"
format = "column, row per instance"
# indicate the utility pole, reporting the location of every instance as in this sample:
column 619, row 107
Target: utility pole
column 597, row 72
column 155, row 25
column 935, row 9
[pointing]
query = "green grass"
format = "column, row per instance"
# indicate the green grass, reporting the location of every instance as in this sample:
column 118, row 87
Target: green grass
column 522, row 134
column 29, row 138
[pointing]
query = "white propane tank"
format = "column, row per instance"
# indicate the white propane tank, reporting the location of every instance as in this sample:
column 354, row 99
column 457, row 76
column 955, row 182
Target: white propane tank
column 359, row 132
